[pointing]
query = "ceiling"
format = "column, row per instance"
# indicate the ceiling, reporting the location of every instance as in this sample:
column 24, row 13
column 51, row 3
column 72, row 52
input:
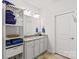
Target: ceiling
column 40, row 4
column 50, row 5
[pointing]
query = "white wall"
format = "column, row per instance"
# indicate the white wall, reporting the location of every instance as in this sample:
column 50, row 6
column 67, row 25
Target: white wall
column 48, row 18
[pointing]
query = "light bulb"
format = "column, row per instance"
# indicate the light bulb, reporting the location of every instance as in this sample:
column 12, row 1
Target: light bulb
column 36, row 16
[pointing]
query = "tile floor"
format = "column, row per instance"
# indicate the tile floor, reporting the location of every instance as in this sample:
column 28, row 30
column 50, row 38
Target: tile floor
column 51, row 56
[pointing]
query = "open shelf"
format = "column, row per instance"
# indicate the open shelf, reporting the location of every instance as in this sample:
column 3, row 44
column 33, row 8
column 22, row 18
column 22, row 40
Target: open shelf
column 14, row 7
column 13, row 25
column 13, row 38
column 18, row 13
column 12, row 46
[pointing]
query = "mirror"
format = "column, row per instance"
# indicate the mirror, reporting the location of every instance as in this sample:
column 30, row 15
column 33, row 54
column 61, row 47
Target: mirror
column 31, row 22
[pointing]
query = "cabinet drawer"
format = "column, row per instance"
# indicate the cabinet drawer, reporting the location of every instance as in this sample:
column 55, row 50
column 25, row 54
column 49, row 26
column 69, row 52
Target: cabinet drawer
column 14, row 51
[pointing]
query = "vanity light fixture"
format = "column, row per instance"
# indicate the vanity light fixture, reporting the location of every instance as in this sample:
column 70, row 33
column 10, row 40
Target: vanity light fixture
column 31, row 13
column 27, row 12
column 36, row 15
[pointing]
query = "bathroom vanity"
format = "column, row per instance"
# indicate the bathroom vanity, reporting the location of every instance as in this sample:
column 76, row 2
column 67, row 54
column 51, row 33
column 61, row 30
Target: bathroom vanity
column 34, row 46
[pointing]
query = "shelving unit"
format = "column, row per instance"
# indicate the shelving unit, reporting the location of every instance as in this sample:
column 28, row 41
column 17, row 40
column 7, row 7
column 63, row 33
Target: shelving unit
column 12, row 29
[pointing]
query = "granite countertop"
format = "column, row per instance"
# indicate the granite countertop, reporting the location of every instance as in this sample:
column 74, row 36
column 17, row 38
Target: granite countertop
column 33, row 37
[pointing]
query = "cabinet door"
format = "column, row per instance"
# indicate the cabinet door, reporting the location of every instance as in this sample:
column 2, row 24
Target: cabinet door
column 29, row 50
column 45, row 43
column 36, row 50
column 41, row 45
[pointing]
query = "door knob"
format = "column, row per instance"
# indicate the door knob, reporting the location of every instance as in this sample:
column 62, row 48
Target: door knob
column 74, row 18
column 72, row 38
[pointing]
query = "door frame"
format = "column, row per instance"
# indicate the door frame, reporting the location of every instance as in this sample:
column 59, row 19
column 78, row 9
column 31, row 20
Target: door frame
column 55, row 24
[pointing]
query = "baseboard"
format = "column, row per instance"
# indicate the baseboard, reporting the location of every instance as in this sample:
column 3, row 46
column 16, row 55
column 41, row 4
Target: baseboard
column 62, row 55
column 41, row 54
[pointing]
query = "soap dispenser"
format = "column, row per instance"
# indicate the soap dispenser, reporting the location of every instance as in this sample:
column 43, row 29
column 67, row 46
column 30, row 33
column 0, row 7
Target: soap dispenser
column 43, row 30
column 36, row 29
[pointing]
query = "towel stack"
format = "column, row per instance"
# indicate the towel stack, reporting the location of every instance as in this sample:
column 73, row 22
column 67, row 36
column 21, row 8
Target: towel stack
column 14, row 41
column 10, row 18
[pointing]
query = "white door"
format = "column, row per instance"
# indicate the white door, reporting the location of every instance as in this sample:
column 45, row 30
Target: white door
column 66, row 35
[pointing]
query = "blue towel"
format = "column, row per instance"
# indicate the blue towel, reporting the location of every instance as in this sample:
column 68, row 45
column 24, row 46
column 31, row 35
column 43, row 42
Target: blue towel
column 9, row 11
column 17, row 41
column 8, row 42
column 10, row 18
column 14, row 41
column 7, row 2
column 10, row 15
